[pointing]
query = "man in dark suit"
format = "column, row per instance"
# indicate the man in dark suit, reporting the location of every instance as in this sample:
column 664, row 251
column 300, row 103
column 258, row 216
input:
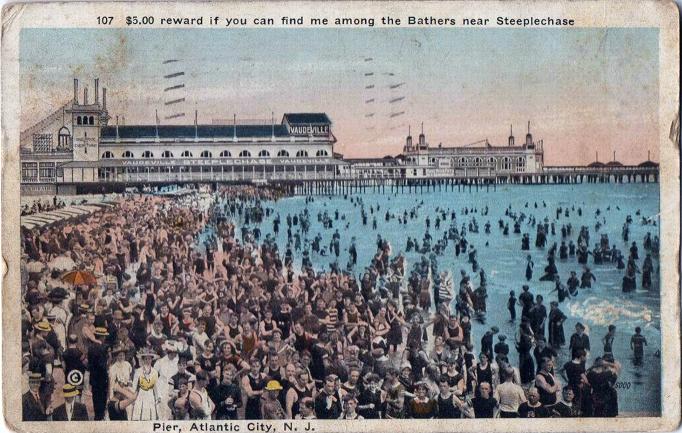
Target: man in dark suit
column 98, row 356
column 32, row 407
column 71, row 410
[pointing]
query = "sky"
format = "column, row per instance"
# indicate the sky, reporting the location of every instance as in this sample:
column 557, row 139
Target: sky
column 583, row 90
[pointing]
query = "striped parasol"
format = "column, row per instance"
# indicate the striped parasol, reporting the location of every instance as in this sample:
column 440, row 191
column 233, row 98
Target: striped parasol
column 78, row 278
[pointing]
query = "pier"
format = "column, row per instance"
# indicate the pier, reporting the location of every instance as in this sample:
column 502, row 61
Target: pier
column 385, row 180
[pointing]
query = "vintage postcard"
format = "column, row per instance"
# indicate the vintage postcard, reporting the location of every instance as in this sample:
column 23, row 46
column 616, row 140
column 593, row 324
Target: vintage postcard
column 341, row 216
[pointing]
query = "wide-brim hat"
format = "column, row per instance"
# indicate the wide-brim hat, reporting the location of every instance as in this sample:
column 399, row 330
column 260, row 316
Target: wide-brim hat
column 34, row 298
column 35, row 377
column 422, row 385
column 273, row 385
column 147, row 352
column 57, row 294
column 102, row 332
column 170, row 346
column 69, row 390
column 43, row 325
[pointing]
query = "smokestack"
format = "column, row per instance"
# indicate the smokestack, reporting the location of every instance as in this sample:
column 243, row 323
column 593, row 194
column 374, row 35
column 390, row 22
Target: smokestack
column 85, row 95
column 96, row 90
column 104, row 99
column 75, row 90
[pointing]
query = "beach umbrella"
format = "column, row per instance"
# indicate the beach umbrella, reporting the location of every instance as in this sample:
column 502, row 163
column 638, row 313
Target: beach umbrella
column 64, row 263
column 79, row 277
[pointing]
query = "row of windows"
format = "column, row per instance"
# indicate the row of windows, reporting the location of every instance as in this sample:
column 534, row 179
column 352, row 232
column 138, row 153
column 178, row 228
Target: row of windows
column 208, row 154
column 31, row 170
column 85, row 120
column 478, row 161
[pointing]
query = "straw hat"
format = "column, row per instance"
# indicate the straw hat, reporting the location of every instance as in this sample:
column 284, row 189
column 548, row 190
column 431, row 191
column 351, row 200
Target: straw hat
column 35, row 377
column 273, row 385
column 69, row 390
column 102, row 332
column 43, row 325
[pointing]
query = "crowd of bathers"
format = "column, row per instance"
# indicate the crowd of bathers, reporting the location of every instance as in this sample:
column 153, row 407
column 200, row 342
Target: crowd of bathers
column 177, row 325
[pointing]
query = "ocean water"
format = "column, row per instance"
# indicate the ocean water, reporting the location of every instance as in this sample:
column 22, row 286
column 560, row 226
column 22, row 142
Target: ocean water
column 604, row 304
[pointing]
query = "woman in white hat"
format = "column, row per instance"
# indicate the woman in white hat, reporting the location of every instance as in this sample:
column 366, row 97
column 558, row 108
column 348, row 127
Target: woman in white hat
column 145, row 382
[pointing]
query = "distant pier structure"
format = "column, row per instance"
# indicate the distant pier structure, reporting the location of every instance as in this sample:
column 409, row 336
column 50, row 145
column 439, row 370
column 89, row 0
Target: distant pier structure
column 79, row 149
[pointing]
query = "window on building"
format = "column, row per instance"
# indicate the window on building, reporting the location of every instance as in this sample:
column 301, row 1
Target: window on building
column 478, row 162
column 462, row 162
column 283, row 154
column 244, row 154
column 322, row 152
column 167, row 154
column 225, row 154
column 46, row 171
column 520, row 164
column 186, row 154
column 302, row 154
column 147, row 154
column 263, row 154
column 128, row 154
column 491, row 162
column 42, row 143
column 506, row 163
column 91, row 120
column 107, row 155
column 29, row 171
column 206, row 154
column 79, row 120
column 64, row 139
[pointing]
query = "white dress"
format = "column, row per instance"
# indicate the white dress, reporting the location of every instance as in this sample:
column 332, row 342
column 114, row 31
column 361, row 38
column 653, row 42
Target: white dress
column 119, row 373
column 167, row 368
column 146, row 404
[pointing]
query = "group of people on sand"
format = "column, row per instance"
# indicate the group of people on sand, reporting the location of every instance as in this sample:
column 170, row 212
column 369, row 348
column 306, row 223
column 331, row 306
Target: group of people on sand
column 38, row 206
column 195, row 312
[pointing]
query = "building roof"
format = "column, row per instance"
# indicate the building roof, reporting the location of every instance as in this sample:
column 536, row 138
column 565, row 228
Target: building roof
column 614, row 164
column 307, row 118
column 596, row 164
column 128, row 132
column 648, row 163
